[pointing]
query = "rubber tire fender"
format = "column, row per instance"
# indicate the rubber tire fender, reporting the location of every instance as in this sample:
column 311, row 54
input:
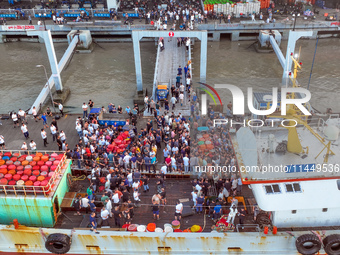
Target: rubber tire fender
column 262, row 219
column 58, row 243
column 329, row 241
column 308, row 238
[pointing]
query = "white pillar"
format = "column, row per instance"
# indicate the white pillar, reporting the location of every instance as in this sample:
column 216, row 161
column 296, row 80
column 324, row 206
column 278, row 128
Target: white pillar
column 203, row 64
column 138, row 63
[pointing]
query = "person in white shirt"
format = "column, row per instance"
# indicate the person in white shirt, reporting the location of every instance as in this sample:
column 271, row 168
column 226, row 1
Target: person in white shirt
column 130, row 179
column 33, row 145
column 24, row 130
column 85, row 203
column 173, row 162
column 194, row 197
column 135, row 185
column 188, row 81
column 173, row 101
column 2, row 142
column 61, row 107
column 84, row 107
column 152, row 153
column 181, row 98
column 164, row 169
column 62, row 136
column 22, row 116
column 136, row 196
column 126, row 160
column 108, row 185
column 85, row 132
column 15, row 119
column 86, row 139
column 64, row 146
column 115, row 199
column 35, row 114
column 181, row 88
column 44, row 137
column 232, row 213
column 79, row 130
column 91, row 129
column 178, row 212
column 198, row 188
column 187, row 43
column 108, row 206
column 24, row 146
column 92, row 148
column 53, row 132
column 186, row 163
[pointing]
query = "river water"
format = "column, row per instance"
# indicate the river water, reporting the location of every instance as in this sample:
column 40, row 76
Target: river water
column 108, row 74
column 238, row 64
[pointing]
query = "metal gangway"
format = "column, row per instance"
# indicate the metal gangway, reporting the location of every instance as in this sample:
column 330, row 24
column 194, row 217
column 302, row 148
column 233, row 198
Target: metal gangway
column 166, row 68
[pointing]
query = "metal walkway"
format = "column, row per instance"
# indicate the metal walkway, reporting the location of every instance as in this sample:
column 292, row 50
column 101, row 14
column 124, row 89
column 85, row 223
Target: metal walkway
column 167, row 63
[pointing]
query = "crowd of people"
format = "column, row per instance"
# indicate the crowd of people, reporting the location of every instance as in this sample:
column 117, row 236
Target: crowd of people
column 167, row 143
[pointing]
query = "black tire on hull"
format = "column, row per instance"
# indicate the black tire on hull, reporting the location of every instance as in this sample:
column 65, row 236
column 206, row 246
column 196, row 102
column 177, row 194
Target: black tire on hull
column 308, row 244
column 58, row 243
column 332, row 244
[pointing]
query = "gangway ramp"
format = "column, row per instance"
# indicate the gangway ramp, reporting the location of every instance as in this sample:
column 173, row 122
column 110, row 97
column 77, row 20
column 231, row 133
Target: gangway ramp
column 166, row 67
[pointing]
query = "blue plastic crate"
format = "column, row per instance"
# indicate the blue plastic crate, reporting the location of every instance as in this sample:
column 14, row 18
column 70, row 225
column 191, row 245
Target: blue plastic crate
column 13, row 16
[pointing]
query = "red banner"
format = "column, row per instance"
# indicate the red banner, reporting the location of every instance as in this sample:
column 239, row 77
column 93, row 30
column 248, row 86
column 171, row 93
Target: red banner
column 20, row 27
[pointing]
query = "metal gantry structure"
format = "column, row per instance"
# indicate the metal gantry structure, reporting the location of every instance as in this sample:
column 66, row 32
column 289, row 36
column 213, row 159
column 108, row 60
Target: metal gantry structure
column 138, row 35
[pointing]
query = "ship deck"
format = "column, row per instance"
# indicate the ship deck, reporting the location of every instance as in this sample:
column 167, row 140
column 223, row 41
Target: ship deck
column 259, row 164
column 177, row 188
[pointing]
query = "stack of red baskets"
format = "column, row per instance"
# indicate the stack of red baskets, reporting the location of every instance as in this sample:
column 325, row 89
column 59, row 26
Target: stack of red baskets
column 28, row 170
column 120, row 143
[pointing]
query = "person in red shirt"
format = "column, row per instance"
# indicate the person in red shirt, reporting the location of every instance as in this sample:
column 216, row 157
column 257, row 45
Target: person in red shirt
column 168, row 163
column 88, row 151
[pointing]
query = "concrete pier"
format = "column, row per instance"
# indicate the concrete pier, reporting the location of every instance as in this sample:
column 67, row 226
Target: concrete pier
column 240, row 30
column 51, row 81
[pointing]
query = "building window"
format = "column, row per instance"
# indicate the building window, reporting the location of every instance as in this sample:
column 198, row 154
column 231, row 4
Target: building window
column 324, row 209
column 293, row 187
column 293, row 211
column 272, row 189
column 338, row 182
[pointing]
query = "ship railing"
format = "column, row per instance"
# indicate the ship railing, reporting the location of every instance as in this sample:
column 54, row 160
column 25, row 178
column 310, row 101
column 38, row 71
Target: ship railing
column 321, row 124
column 190, row 70
column 158, row 165
column 34, row 190
column 248, row 227
column 155, row 74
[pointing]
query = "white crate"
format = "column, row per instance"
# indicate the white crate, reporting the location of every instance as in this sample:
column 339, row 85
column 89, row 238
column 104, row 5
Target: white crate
column 224, row 8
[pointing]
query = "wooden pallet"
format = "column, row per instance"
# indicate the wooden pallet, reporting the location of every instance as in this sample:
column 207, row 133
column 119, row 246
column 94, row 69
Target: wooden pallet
column 67, row 203
column 251, row 202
